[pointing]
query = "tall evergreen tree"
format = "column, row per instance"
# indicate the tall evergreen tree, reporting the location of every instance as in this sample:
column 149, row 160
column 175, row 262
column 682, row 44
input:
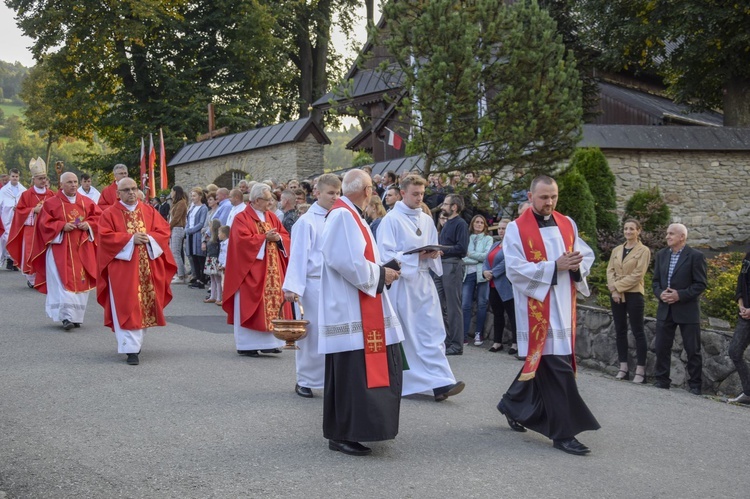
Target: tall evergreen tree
column 488, row 85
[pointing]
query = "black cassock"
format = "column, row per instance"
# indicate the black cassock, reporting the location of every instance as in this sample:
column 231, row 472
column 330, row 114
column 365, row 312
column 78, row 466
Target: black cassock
column 353, row 412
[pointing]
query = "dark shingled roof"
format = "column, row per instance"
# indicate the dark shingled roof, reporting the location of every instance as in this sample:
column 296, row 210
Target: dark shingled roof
column 368, row 82
column 658, row 107
column 680, row 138
column 291, row 131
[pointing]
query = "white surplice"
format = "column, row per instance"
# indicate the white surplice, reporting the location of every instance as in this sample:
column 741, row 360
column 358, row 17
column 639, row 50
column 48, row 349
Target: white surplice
column 93, row 193
column 345, row 273
column 9, row 196
column 535, row 280
column 131, row 340
column 303, row 278
column 415, row 298
column 246, row 338
column 233, row 213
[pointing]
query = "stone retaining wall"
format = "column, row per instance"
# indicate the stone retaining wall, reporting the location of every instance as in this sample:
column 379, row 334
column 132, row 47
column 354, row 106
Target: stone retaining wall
column 596, row 349
column 700, row 187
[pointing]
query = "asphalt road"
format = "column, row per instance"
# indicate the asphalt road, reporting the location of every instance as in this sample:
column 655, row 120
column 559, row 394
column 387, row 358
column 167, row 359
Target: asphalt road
column 195, row 420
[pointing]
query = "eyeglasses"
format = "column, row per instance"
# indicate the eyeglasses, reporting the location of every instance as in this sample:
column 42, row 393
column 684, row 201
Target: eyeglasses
column 132, row 189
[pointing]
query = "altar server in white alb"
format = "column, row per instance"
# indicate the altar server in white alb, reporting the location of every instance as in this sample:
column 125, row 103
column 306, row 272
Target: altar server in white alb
column 358, row 329
column 547, row 263
column 9, row 196
column 302, row 282
column 414, row 295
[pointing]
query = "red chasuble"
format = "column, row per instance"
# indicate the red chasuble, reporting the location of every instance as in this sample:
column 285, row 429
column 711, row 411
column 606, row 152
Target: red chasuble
column 75, row 256
column 533, row 246
column 108, row 197
column 140, row 286
column 20, row 233
column 258, row 281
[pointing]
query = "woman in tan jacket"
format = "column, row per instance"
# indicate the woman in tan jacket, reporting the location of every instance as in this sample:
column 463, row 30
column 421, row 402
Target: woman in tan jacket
column 177, row 218
column 625, row 272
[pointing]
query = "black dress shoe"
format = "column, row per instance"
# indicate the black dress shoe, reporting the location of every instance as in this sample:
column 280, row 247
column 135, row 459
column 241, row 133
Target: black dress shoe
column 29, row 285
column 496, row 349
column 512, row 351
column 454, row 352
column 444, row 392
column 664, row 385
column 77, row 324
column 514, row 425
column 198, row 285
column 271, row 350
column 248, row 353
column 695, row 390
column 351, row 448
column 67, row 325
column 303, row 391
column 132, row 359
column 571, row 446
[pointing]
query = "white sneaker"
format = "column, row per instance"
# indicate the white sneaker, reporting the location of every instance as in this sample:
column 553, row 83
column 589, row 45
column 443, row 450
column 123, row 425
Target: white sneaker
column 478, row 340
column 740, row 399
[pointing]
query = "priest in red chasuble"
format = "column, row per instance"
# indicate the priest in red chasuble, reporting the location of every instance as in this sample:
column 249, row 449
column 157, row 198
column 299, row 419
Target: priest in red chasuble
column 21, row 237
column 64, row 255
column 134, row 269
column 109, row 194
column 257, row 257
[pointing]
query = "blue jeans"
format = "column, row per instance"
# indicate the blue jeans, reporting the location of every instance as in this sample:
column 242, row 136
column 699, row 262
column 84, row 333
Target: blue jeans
column 482, row 292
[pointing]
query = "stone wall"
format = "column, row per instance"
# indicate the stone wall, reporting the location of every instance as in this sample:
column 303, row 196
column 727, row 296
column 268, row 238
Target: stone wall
column 281, row 162
column 596, row 349
column 701, row 188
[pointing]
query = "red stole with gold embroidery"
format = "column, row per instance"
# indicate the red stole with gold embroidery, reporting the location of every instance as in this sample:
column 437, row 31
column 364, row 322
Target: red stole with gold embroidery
column 538, row 312
column 373, row 323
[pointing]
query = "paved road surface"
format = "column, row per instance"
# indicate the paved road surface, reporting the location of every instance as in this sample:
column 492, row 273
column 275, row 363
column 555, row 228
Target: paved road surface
column 195, row 420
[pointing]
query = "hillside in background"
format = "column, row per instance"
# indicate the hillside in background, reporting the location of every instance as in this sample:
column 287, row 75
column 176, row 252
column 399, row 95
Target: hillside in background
column 336, row 156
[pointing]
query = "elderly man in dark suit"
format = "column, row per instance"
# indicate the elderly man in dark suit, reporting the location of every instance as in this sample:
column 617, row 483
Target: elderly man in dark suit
column 679, row 280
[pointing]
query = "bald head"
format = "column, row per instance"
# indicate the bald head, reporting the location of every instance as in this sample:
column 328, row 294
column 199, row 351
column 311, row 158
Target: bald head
column 127, row 191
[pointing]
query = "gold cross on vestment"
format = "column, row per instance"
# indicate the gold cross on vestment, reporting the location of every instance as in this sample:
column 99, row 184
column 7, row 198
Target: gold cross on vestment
column 374, row 341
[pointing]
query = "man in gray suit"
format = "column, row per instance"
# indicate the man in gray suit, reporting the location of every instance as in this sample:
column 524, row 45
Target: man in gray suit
column 679, row 280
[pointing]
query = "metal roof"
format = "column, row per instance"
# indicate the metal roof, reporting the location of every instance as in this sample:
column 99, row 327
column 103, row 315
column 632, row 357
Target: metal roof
column 291, row 131
column 680, row 138
column 659, row 109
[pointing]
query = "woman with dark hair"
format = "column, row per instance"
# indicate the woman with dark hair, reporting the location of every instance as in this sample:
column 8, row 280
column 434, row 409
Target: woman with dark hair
column 475, row 285
column 177, row 219
column 196, row 217
column 625, row 271
column 501, row 292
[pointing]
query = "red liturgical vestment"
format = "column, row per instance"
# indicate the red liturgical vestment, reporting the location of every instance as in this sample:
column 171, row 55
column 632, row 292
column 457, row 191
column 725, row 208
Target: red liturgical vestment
column 140, row 286
column 258, row 280
column 75, row 256
column 21, row 237
column 108, row 197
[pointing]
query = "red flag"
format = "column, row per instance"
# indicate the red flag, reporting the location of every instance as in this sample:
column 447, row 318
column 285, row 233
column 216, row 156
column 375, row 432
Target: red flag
column 394, row 139
column 162, row 162
column 151, row 162
column 143, row 165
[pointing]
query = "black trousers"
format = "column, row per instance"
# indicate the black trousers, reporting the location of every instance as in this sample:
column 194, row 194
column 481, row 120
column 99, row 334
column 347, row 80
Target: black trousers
column 353, row 412
column 691, row 341
column 549, row 403
column 198, row 263
column 738, row 345
column 632, row 309
column 499, row 308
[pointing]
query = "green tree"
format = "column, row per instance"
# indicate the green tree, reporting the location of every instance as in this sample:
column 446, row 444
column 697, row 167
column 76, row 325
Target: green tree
column 649, row 208
column 577, row 202
column 592, row 164
column 489, row 84
column 699, row 47
column 152, row 64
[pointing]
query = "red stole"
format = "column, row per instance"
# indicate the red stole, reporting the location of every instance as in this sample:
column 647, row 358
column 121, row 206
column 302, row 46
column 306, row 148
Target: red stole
column 373, row 323
column 533, row 246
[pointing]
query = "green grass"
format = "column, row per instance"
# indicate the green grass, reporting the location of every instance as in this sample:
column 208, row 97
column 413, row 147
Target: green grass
column 12, row 110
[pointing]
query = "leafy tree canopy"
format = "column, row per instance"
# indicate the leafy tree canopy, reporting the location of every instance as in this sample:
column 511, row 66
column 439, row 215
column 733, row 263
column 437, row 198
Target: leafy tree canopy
column 700, row 47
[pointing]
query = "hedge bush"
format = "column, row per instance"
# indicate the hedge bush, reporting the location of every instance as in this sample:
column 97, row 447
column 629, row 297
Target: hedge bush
column 576, row 201
column 718, row 299
column 592, row 164
column 649, row 208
